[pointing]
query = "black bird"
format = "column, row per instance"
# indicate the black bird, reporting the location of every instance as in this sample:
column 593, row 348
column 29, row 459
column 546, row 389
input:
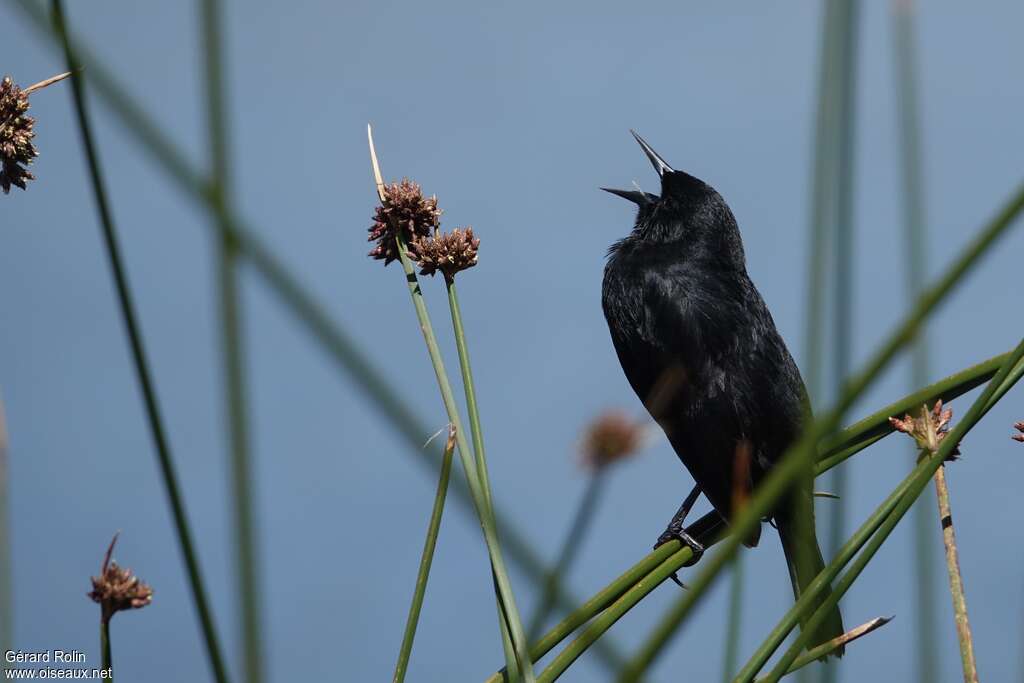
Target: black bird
column 701, row 351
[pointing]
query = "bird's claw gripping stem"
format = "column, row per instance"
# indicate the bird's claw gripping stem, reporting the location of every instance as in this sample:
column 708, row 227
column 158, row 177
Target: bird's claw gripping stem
column 676, row 532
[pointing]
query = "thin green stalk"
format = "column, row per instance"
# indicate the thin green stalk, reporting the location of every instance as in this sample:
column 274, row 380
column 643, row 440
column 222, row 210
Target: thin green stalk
column 853, row 438
column 956, row 582
column 919, row 481
column 819, row 226
column 842, row 323
column 512, row 672
column 571, row 544
column 342, row 349
column 107, row 661
column 425, row 560
column 469, row 387
column 474, row 478
column 816, row 653
column 142, row 370
column 732, row 629
column 822, row 215
column 6, row 577
column 247, row 557
column 916, row 244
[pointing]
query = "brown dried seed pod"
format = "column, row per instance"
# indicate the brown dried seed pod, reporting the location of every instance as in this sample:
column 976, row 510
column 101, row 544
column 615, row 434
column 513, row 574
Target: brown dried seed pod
column 610, row 438
column 117, row 588
column 446, row 252
column 404, row 209
column 928, row 429
column 16, row 148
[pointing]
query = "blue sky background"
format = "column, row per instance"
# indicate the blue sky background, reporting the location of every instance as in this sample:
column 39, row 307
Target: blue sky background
column 513, row 115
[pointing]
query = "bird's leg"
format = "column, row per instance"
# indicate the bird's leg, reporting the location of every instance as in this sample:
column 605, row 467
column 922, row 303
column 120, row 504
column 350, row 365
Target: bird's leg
column 676, row 531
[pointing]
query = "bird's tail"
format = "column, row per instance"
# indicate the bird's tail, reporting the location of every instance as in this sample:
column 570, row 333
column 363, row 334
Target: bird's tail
column 795, row 521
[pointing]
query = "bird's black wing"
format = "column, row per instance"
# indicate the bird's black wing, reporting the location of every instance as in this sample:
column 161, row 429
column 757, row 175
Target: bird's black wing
column 701, row 350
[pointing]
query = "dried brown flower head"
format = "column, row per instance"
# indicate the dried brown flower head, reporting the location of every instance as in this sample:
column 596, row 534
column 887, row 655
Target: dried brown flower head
column 16, row 148
column 928, row 429
column 116, row 588
column 446, row 252
column 1020, row 428
column 404, row 209
column 611, row 437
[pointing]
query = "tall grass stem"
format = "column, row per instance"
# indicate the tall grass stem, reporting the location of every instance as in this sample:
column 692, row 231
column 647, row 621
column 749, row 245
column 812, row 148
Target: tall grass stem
column 916, row 247
column 142, row 369
column 6, row 574
column 733, row 628
column 232, row 347
column 106, row 658
column 956, row 581
column 426, row 559
column 844, row 246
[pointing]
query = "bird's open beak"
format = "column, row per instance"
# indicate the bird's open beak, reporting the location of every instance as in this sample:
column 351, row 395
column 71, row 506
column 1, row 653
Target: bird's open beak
column 638, row 197
column 659, row 164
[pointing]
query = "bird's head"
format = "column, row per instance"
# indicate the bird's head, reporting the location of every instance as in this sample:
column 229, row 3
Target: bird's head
column 686, row 206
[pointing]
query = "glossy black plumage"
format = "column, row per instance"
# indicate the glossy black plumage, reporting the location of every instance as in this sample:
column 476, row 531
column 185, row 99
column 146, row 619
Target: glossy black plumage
column 701, row 350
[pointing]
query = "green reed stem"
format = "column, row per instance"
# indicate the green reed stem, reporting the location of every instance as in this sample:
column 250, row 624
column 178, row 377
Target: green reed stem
column 822, row 209
column 918, row 482
column 425, row 560
column 916, row 245
column 470, row 390
column 247, row 557
column 735, row 619
column 6, row 575
column 821, row 219
column 842, row 323
column 141, row 364
column 106, row 660
column 956, row 582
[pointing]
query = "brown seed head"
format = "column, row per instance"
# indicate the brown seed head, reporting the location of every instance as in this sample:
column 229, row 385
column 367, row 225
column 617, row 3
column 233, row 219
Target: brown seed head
column 404, row 209
column 928, row 429
column 1020, row 428
column 116, row 588
column 446, row 252
column 612, row 437
column 16, row 148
